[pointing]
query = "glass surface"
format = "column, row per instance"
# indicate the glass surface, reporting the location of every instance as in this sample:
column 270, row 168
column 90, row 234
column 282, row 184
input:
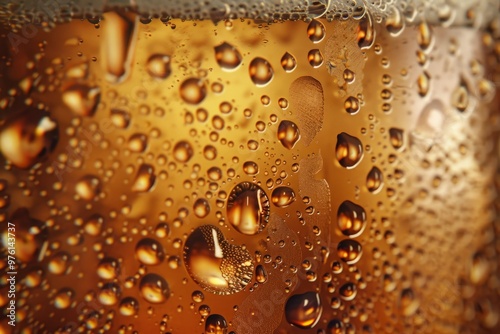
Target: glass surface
column 264, row 167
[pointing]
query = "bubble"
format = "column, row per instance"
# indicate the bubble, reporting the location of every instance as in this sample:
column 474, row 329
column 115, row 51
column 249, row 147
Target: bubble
column 397, row 137
column 120, row 118
column 288, row 62
column 216, row 265
column 250, row 168
column 158, row 66
column 138, row 142
column 303, row 310
column 88, row 187
column 351, row 219
column 351, row 105
column 409, row 303
column 108, row 268
column 349, row 251
column 197, row 296
column 183, row 151
column 149, row 251
column 129, row 306
column 283, row 197
column 261, row 72
column 216, row 324
column 154, row 289
column 63, row 298
column 248, row 208
column 201, row 208
column 193, row 91
column 260, row 274
column 349, row 150
column 316, row 31
column 81, row 99
column 288, row 134
column 28, row 138
column 144, row 179
column 315, row 58
column 348, row 291
column 227, row 56
column 374, row 180
column 109, row 294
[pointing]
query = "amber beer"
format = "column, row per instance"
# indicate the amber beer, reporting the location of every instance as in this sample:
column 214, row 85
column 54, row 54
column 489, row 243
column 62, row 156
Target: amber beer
column 272, row 167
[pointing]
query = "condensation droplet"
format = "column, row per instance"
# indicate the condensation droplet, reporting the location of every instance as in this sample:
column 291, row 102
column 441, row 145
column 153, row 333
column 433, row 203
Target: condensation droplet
column 261, row 72
column 288, row 134
column 108, row 268
column 349, row 251
column 397, row 137
column 63, row 298
column 216, row 324
column 109, row 294
column 425, row 36
column 248, row 208
column 144, row 179
column 351, row 105
column 138, row 142
column 423, row 84
column 303, row 310
column 81, row 99
column 349, row 150
column 395, row 22
column 409, row 303
column 201, row 208
column 120, row 118
column 158, row 66
column 88, row 187
column 183, row 151
column 348, row 291
column 154, row 288
column 288, row 62
column 374, row 180
column 351, row 219
column 283, row 197
column 129, row 306
column 260, row 274
column 193, row 91
column 365, row 32
column 250, row 168
column 216, row 265
column 316, row 31
column 227, row 56
column 315, row 58
column 149, row 251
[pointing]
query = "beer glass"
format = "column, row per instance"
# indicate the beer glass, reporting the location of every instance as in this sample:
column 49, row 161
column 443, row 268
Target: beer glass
column 249, row 167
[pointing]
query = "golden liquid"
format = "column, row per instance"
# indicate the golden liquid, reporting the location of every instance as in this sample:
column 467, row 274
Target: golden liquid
column 308, row 177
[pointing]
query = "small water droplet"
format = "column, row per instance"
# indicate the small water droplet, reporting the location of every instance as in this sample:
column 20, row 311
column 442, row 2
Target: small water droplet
column 108, row 268
column 82, row 99
column 315, row 58
column 138, row 142
column 158, row 66
column 397, row 137
column 351, row 105
column 423, row 83
column 288, row 134
column 88, row 187
column 250, row 168
column 201, row 208
column 129, row 306
column 109, row 294
column 216, row 324
column 349, row 150
column 63, row 298
column 409, row 303
column 349, row 251
column 260, row 274
column 374, row 180
column 348, row 291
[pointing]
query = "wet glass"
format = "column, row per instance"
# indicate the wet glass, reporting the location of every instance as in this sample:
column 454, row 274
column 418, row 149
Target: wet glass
column 249, row 167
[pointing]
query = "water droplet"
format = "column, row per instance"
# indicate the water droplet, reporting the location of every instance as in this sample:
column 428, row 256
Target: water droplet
column 81, row 99
column 149, row 251
column 120, row 118
column 460, row 97
column 349, row 150
column 248, row 208
column 193, row 91
column 250, row 168
column 349, row 251
column 423, row 83
column 397, row 137
column 227, row 56
column 209, row 152
column 283, row 197
column 480, row 269
column 351, row 219
column 348, row 291
column 394, row 22
column 129, row 306
column 351, row 105
column 366, row 32
column 315, row 58
column 303, row 310
column 108, row 268
column 424, row 37
column 216, row 265
column 216, row 324
column 154, row 289
column 183, row 151
column 197, row 296
column 288, row 134
column 201, row 208
column 374, row 180
column 93, row 225
column 288, row 62
column 88, row 187
column 109, row 294
column 63, row 298
column 138, row 142
column 158, row 66
column 260, row 274
column 261, row 72
column 316, row 31
column 409, row 303
column 28, row 138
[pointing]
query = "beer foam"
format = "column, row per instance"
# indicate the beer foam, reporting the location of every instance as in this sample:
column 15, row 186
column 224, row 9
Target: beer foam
column 476, row 13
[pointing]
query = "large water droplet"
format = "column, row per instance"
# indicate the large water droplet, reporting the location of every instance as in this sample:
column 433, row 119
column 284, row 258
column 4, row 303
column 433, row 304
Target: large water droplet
column 216, row 324
column 149, row 251
column 248, row 208
column 193, row 91
column 227, row 56
column 349, row 150
column 109, row 294
column 303, row 310
column 138, row 142
column 108, row 268
column 129, row 306
column 316, row 31
column 144, row 179
column 283, row 197
column 216, row 265
column 288, row 134
column 154, row 289
column 28, row 138
column 351, row 219
column 366, row 32
column 260, row 71
column 349, row 251
column 395, row 22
